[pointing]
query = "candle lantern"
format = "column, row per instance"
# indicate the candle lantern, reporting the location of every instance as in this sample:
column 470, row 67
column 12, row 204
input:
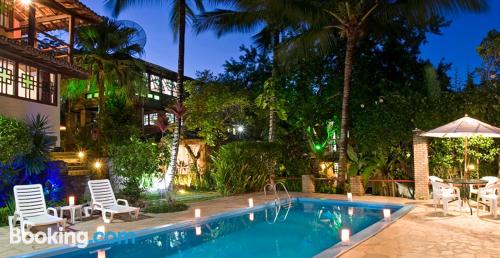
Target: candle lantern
column 349, row 197
column 71, row 200
column 344, row 235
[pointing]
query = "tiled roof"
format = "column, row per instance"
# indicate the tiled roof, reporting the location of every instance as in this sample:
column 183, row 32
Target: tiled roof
column 24, row 53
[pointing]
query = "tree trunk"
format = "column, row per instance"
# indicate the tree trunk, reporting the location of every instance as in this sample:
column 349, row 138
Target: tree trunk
column 344, row 123
column 100, row 114
column 172, row 166
column 194, row 158
column 70, row 129
column 272, row 111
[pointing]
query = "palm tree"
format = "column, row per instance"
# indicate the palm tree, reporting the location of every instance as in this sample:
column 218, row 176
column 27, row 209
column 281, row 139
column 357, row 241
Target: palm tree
column 181, row 13
column 272, row 17
column 350, row 18
column 107, row 50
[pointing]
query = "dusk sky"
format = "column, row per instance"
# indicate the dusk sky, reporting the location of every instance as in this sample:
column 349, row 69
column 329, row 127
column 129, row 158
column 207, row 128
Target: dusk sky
column 206, row 51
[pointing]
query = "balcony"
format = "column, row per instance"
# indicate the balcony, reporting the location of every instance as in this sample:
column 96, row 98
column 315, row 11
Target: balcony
column 46, row 25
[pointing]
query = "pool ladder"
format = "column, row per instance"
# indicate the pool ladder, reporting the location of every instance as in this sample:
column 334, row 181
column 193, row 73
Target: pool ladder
column 274, row 189
column 277, row 201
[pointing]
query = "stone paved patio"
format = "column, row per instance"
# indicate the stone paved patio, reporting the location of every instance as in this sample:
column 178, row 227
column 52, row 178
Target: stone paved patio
column 421, row 233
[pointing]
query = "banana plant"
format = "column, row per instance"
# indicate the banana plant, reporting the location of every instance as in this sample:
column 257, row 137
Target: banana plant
column 360, row 164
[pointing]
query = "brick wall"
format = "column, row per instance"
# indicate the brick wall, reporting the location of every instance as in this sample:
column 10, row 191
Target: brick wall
column 308, row 184
column 420, row 165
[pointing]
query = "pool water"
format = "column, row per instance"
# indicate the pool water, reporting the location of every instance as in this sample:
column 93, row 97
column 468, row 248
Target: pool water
column 304, row 229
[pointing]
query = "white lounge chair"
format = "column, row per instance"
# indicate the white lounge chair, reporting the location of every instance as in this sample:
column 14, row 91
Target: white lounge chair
column 445, row 192
column 31, row 209
column 491, row 180
column 489, row 194
column 104, row 200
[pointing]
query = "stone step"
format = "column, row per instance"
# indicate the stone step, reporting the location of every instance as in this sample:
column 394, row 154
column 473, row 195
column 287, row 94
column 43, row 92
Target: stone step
column 70, row 168
column 81, row 172
column 64, row 154
column 70, row 160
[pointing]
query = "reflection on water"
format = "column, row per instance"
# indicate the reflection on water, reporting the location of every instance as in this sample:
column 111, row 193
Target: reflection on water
column 299, row 230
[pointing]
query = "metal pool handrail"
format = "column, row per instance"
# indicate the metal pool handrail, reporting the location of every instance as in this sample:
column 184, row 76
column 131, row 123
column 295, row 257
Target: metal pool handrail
column 274, row 187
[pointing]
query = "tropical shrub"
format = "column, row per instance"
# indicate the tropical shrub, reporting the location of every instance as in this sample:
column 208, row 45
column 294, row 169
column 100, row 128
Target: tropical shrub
column 446, row 157
column 28, row 162
column 136, row 162
column 35, row 160
column 242, row 167
column 15, row 139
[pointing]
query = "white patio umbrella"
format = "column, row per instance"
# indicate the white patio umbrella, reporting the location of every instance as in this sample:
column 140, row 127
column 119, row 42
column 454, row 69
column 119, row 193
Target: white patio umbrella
column 464, row 127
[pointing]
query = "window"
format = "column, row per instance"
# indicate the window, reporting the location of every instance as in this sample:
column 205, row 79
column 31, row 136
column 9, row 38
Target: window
column 168, row 87
column 7, row 76
column 150, row 119
column 155, row 83
column 5, row 13
column 27, row 82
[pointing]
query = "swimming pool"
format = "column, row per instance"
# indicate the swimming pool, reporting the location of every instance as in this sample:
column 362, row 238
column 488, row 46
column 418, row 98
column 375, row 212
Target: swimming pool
column 306, row 228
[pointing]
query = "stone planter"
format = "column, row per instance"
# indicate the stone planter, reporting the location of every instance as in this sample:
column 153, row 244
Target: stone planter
column 357, row 187
column 308, row 184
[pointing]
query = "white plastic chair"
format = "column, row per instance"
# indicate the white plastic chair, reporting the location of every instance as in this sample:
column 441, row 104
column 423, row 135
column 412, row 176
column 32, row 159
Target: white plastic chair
column 104, row 200
column 489, row 194
column 446, row 193
column 31, row 209
column 491, row 180
column 435, row 179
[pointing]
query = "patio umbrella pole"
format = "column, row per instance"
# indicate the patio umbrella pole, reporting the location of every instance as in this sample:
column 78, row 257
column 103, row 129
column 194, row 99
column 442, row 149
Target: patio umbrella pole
column 465, row 157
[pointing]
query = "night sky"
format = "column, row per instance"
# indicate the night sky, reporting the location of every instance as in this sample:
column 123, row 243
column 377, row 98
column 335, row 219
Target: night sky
column 206, row 51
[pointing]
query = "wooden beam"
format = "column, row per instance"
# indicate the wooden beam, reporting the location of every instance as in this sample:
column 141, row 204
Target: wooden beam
column 47, row 19
column 71, row 40
column 57, row 6
column 31, row 25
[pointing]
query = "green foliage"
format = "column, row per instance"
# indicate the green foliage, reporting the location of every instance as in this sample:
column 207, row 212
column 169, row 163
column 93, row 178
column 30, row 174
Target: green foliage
column 34, row 162
column 482, row 149
column 4, row 214
column 489, row 50
column 446, row 156
column 272, row 99
column 120, row 122
column 15, row 139
column 292, row 184
column 73, row 89
column 324, row 186
column 136, row 162
column 360, row 164
column 213, row 108
column 431, row 82
column 242, row 167
column 165, row 207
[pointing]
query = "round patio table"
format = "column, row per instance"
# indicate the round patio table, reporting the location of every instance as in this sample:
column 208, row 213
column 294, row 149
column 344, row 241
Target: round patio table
column 464, row 186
